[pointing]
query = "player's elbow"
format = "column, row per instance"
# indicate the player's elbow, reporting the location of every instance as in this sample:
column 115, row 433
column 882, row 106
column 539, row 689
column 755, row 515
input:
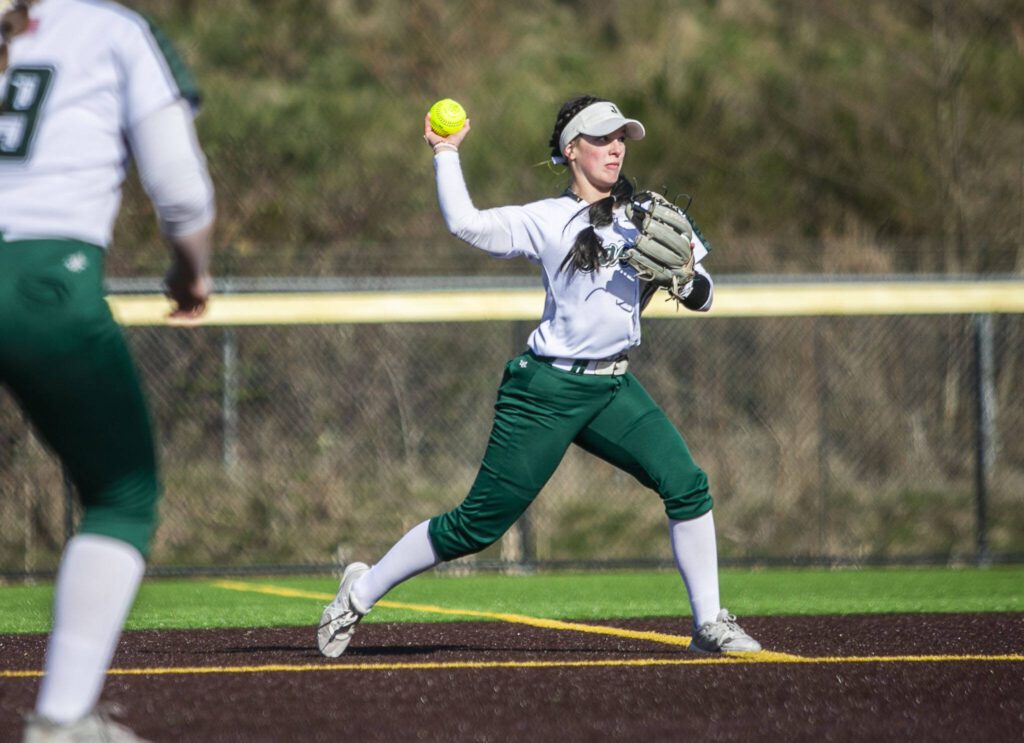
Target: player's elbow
column 464, row 225
column 702, row 295
column 184, row 203
column 173, row 170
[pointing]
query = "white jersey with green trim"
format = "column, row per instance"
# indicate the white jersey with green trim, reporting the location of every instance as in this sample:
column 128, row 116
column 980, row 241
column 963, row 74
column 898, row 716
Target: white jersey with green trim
column 80, row 77
column 587, row 315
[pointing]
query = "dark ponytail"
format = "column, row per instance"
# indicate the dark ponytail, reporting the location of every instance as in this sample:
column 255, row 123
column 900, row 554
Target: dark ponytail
column 588, row 251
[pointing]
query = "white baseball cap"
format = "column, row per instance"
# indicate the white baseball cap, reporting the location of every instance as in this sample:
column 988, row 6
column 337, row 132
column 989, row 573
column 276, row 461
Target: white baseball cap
column 598, row 119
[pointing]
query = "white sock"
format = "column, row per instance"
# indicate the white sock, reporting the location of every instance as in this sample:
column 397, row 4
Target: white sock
column 96, row 585
column 411, row 555
column 696, row 553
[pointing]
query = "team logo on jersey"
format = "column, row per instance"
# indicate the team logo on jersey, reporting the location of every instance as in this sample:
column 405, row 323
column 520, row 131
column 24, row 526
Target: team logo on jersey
column 76, row 262
column 612, row 254
column 522, row 363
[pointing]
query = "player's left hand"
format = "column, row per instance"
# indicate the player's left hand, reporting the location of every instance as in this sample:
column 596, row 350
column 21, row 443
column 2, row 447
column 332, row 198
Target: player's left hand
column 190, row 292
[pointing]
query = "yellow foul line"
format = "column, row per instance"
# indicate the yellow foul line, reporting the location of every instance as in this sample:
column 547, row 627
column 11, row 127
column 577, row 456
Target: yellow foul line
column 538, row 664
column 762, row 657
column 556, row 624
column 499, row 616
column 502, row 617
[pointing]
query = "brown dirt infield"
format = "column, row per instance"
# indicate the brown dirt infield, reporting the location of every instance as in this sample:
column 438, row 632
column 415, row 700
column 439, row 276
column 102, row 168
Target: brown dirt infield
column 854, row 681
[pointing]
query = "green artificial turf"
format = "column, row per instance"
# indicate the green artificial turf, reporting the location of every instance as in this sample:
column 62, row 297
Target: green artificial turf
column 165, row 603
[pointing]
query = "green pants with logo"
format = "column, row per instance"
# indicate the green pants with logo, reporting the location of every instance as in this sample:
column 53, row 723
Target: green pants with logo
column 539, row 412
column 64, row 359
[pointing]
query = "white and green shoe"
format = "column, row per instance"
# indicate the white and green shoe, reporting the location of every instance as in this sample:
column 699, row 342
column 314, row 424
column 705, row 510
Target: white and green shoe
column 340, row 617
column 723, row 635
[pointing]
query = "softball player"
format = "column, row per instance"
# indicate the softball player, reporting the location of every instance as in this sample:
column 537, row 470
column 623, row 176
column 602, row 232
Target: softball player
column 572, row 385
column 85, row 85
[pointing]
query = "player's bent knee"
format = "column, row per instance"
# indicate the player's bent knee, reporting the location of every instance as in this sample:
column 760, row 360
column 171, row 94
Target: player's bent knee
column 452, row 539
column 126, row 510
column 689, row 500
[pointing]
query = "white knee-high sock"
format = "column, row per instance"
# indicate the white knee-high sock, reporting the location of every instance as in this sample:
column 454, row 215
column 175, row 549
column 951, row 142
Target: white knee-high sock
column 696, row 553
column 411, row 555
column 96, row 585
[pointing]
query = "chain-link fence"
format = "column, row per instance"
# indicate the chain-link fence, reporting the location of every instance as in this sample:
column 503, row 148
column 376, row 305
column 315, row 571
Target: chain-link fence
column 868, row 438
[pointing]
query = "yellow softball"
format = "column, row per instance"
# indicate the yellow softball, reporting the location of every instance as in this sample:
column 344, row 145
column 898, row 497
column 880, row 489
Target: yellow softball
column 447, row 117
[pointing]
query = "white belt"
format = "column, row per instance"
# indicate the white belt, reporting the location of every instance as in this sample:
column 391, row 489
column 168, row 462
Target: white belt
column 595, row 366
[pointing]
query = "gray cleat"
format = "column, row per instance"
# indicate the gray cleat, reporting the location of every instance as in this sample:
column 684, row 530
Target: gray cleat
column 723, row 636
column 95, row 727
column 340, row 617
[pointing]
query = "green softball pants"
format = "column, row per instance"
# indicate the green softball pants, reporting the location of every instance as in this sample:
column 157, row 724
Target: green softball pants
column 539, row 412
column 64, row 359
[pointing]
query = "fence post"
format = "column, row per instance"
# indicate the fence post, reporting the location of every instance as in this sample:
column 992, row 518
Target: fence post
column 822, row 390
column 229, row 401
column 229, row 370
column 984, row 395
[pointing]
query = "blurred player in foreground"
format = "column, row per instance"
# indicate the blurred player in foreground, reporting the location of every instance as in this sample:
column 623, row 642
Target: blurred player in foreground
column 86, row 85
column 572, row 385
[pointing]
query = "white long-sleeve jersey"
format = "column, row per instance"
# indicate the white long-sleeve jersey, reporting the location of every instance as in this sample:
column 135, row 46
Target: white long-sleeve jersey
column 587, row 315
column 84, row 82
